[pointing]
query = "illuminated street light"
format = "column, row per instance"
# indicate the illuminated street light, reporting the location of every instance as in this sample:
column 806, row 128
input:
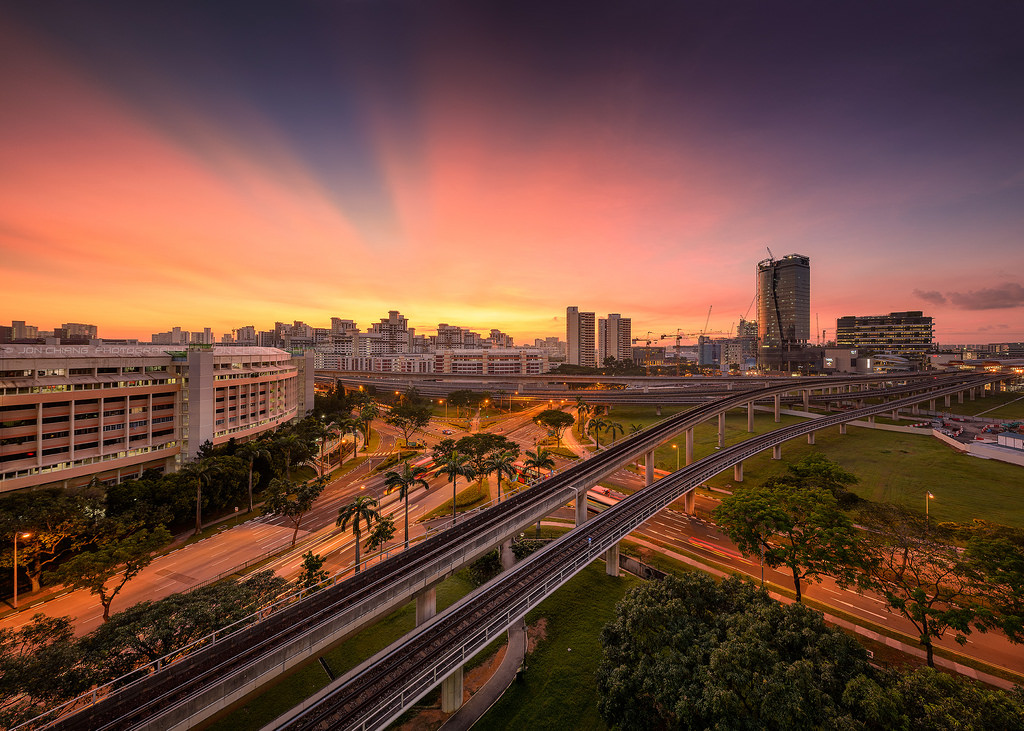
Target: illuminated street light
column 676, row 447
column 16, row 536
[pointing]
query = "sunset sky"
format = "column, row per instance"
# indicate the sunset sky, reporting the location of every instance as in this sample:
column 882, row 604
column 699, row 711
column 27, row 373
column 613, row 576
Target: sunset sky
column 486, row 164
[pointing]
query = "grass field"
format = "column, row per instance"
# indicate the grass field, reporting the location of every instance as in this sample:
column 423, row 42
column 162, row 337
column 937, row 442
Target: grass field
column 466, row 499
column 898, row 468
column 557, row 690
column 1004, row 405
column 292, row 689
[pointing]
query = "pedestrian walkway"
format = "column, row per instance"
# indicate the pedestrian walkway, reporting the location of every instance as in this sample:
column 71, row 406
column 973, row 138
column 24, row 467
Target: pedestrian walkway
column 481, row 701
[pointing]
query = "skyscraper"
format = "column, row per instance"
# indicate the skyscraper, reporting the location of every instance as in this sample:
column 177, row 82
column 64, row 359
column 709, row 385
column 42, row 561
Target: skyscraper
column 783, row 311
column 579, row 334
column 614, row 338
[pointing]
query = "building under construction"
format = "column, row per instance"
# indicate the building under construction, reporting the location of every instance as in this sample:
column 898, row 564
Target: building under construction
column 784, row 313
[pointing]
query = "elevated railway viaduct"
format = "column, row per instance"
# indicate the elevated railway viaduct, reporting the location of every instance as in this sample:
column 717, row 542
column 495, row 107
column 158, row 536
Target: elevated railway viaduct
column 182, row 693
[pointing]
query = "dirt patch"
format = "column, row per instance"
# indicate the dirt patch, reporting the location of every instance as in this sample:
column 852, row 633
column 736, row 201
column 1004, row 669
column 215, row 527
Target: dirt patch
column 535, row 633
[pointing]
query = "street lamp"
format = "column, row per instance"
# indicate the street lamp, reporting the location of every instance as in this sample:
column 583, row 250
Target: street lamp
column 16, row 536
column 676, row 447
column 927, row 498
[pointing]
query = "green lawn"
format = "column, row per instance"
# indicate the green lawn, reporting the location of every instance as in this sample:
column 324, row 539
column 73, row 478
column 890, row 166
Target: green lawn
column 292, row 689
column 474, row 495
column 901, row 468
column 557, row 690
column 1005, row 405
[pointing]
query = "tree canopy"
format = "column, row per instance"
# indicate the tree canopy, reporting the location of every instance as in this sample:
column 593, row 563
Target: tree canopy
column 408, row 418
column 555, row 421
column 799, row 527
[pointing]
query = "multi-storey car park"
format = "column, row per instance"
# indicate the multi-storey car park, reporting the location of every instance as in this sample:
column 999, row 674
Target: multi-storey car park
column 69, row 414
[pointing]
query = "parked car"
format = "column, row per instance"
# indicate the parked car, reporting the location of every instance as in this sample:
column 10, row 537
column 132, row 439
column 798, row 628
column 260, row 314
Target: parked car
column 447, row 431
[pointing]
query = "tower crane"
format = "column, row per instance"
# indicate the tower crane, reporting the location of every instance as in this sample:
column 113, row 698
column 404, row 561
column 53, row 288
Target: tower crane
column 647, row 349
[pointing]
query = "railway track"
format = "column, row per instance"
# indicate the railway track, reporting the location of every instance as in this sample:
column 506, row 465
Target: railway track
column 190, row 684
column 378, row 691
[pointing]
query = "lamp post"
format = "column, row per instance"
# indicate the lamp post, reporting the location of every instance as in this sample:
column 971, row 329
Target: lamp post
column 928, row 497
column 16, row 536
column 676, row 447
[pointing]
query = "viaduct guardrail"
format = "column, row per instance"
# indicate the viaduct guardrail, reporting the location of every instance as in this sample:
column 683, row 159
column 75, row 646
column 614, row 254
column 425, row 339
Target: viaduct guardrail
column 202, row 683
column 379, row 690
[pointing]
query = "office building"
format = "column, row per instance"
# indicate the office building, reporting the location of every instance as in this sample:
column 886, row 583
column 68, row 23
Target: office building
column 69, row 414
column 784, row 312
column 614, row 338
column 579, row 335
column 902, row 333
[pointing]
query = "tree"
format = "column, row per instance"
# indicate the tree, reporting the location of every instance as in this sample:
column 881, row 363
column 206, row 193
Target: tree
column 348, row 425
column 367, row 413
column 58, row 522
column 479, row 447
column 996, row 555
column 442, row 449
column 93, row 569
column 404, row 481
column 292, row 501
column 312, row 571
column 595, row 427
column 613, row 427
column 363, row 508
column 408, row 418
column 556, row 421
column 150, row 630
column 815, row 469
column 382, row 532
column 922, row 576
column 293, row 448
column 539, row 460
column 501, row 464
column 41, row 665
column 799, row 527
column 249, row 453
column 582, row 411
column 456, row 465
column 690, row 653
column 200, row 473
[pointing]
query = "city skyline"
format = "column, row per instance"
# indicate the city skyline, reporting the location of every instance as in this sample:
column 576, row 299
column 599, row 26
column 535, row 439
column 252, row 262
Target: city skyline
column 488, row 165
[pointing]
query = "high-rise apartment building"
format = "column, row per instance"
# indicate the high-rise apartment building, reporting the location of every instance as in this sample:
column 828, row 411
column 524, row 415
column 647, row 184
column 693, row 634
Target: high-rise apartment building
column 783, row 311
column 579, row 334
column 898, row 332
column 614, row 338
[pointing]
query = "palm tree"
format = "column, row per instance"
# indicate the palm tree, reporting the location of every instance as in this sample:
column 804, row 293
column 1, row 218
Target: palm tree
column 367, row 413
column 596, row 426
column 501, row 464
column 348, row 425
column 613, row 427
column 202, row 471
column 582, row 411
column 456, row 465
column 404, row 481
column 539, row 460
column 363, row 508
column 250, row 452
column 289, row 444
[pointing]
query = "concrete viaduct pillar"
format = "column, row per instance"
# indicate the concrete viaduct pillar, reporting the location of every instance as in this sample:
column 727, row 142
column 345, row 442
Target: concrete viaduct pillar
column 960, row 397
column 915, row 409
column 737, row 472
column 778, row 402
column 777, row 451
column 581, row 507
column 657, row 409
column 946, row 399
column 426, row 605
column 689, row 446
column 807, row 398
column 750, row 417
column 810, row 437
column 611, row 561
column 721, row 430
column 508, row 558
column 452, row 692
column 649, row 468
column 971, row 392
column 842, row 428
column 931, row 405
column 690, row 502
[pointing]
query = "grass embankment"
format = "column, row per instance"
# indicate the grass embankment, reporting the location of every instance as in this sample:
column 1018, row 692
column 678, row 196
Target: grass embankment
column 471, row 497
column 557, row 689
column 900, row 468
column 293, row 688
column 997, row 406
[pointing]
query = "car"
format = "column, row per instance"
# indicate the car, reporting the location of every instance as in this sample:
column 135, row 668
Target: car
column 447, row 431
